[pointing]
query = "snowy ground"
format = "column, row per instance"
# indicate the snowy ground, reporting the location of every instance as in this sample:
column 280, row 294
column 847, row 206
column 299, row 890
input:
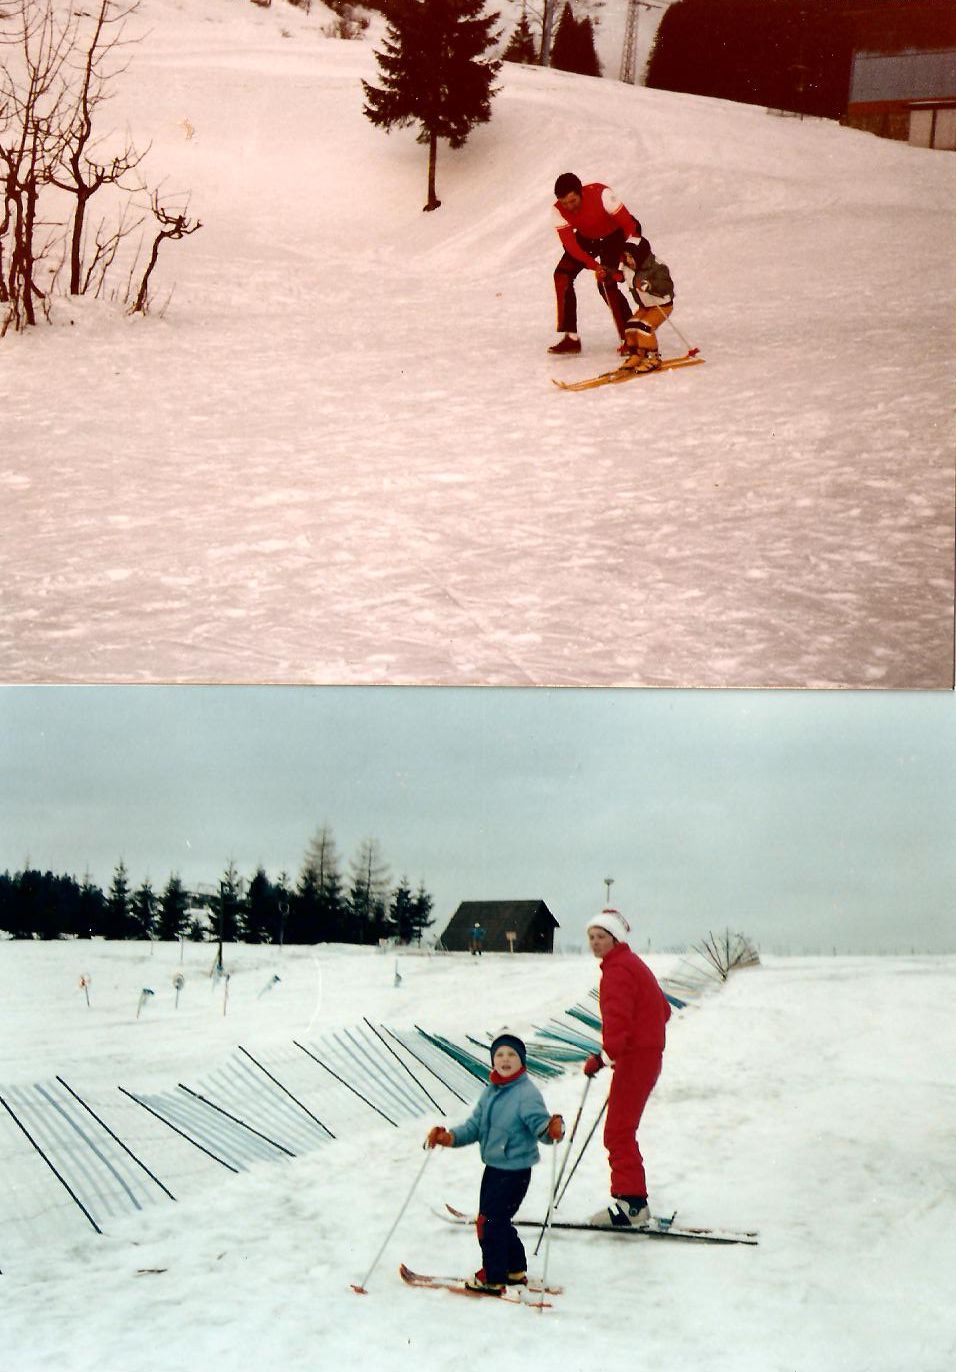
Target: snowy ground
column 810, row 1098
column 339, row 457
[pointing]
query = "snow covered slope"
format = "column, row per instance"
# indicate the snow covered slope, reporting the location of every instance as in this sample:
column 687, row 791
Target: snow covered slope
column 810, row 1098
column 339, row 456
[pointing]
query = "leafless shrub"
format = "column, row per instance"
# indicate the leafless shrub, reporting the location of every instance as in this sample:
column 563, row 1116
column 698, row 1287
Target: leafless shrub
column 711, row 961
column 171, row 226
column 60, row 61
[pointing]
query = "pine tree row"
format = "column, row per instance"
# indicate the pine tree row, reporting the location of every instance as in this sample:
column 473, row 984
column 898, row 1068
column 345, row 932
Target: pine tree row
column 321, row 906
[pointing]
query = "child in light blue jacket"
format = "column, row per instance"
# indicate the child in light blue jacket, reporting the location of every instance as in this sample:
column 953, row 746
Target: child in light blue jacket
column 508, row 1122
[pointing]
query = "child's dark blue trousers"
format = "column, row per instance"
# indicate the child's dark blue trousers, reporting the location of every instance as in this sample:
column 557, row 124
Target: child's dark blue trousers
column 501, row 1194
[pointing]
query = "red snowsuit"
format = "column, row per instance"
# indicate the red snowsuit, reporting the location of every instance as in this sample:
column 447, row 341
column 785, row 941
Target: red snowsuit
column 634, row 1011
column 592, row 235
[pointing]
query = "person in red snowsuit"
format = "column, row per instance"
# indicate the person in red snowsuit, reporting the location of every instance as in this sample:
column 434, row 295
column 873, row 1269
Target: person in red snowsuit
column 593, row 226
column 634, row 1012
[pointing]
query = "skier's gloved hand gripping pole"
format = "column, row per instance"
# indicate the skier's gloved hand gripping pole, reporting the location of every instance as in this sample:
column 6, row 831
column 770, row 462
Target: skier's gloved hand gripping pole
column 361, row 1287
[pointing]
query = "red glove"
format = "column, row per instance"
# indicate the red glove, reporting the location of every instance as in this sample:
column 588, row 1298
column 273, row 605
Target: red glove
column 439, row 1138
column 594, row 1064
column 555, row 1129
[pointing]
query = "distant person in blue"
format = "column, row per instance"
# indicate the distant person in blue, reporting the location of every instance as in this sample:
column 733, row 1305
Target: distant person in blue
column 508, row 1122
column 477, row 940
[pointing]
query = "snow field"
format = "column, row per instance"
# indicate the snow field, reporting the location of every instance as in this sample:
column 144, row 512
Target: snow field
column 809, row 1098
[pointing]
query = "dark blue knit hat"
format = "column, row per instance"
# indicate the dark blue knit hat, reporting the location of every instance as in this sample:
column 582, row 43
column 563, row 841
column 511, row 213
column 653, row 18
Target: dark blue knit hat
column 506, row 1040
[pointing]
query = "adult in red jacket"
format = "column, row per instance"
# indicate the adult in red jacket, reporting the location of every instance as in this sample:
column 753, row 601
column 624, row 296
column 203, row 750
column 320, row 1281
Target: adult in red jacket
column 634, row 1011
column 593, row 226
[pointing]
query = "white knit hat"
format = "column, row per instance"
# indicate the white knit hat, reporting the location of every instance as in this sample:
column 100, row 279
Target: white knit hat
column 612, row 922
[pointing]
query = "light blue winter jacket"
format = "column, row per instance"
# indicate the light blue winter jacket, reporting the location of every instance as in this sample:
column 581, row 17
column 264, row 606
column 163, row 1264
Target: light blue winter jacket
column 507, row 1122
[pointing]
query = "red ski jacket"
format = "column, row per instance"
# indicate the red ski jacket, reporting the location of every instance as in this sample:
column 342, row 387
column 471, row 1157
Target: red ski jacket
column 634, row 1009
column 599, row 214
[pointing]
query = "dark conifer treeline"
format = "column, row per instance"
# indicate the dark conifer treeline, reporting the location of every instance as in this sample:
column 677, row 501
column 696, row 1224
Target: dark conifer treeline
column 316, row 909
column 787, row 54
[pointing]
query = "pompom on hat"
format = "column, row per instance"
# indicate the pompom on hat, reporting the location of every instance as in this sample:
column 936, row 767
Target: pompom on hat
column 507, row 1040
column 612, row 922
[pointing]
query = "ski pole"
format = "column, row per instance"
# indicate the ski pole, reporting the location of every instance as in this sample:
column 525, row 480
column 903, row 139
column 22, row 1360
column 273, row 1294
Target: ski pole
column 581, row 1154
column 556, row 1180
column 574, row 1130
column 360, row 1288
column 547, row 1228
column 691, row 352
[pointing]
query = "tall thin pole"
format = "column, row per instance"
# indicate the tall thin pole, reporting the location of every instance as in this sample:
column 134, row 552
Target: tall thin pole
column 547, row 24
column 360, row 1287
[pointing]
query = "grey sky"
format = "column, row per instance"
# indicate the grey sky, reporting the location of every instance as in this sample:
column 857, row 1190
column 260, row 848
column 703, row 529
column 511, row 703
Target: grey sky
column 806, row 820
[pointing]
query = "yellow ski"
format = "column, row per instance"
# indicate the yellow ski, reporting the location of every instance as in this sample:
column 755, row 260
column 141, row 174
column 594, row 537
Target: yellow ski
column 619, row 374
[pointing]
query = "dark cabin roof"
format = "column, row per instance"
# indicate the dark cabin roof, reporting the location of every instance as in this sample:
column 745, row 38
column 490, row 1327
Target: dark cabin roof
column 497, row 917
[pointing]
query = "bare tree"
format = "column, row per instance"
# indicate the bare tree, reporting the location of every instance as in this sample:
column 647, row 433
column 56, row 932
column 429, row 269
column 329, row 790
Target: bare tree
column 95, row 66
column 32, row 97
column 369, row 890
column 58, row 62
column 171, row 225
column 321, row 856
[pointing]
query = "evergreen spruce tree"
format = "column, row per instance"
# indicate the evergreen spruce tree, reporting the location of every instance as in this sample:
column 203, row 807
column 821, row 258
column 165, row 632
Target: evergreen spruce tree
column 421, row 911
column 573, row 48
column 91, row 907
column 118, row 923
column 36, row 913
column 563, row 45
column 143, row 910
column 228, row 905
column 589, row 62
column 433, row 74
column 303, row 922
column 521, row 46
column 400, row 912
column 173, row 913
column 9, row 896
column 258, row 918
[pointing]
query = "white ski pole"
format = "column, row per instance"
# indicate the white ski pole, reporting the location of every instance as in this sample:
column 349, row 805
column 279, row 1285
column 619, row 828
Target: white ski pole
column 691, row 352
column 360, row 1288
column 547, row 1226
column 556, row 1182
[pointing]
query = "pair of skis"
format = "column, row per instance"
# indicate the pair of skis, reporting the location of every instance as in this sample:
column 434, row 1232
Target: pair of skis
column 619, row 374
column 658, row 1227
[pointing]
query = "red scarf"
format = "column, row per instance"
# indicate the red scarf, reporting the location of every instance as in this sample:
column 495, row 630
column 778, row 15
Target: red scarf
column 497, row 1080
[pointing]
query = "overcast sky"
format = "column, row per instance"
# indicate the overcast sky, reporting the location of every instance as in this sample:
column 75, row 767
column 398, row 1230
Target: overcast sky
column 808, row 820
